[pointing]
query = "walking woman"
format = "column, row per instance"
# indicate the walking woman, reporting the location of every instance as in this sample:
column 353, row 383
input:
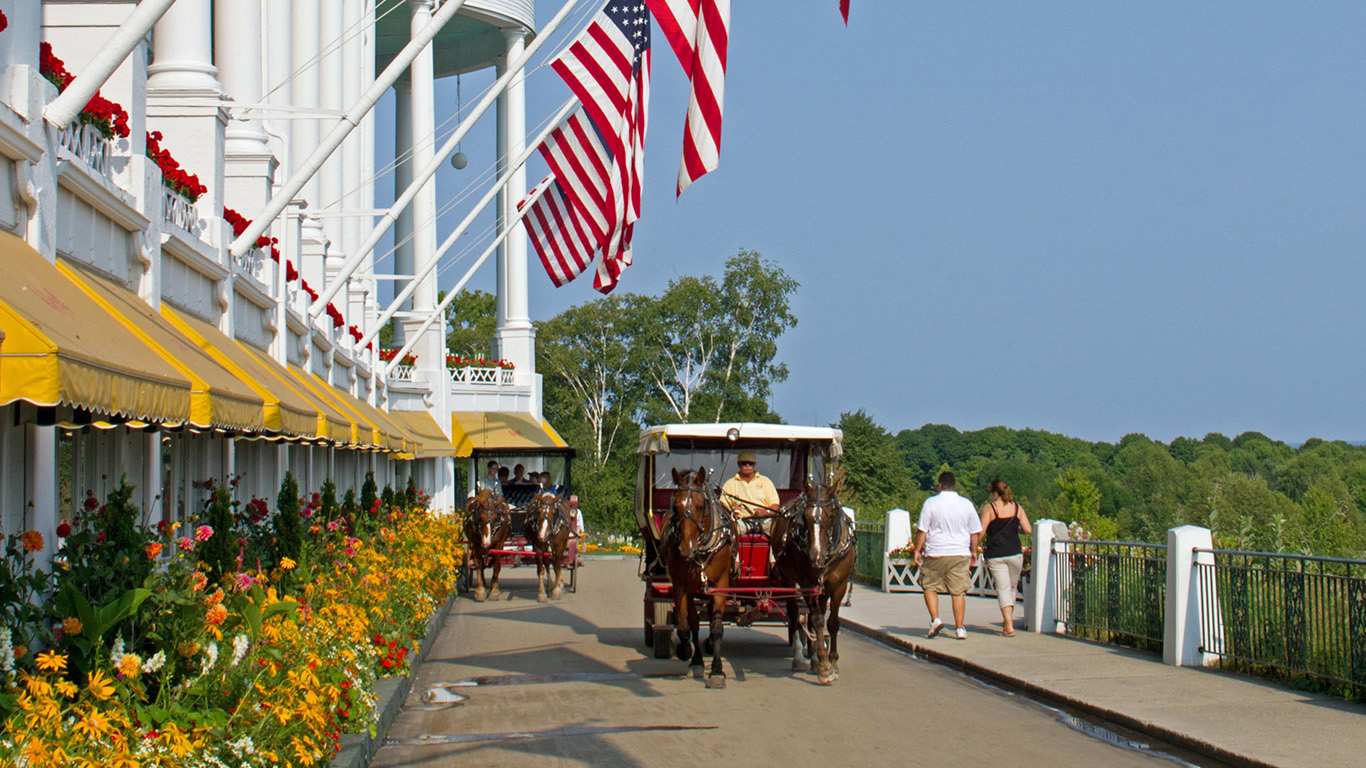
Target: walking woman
column 1002, row 523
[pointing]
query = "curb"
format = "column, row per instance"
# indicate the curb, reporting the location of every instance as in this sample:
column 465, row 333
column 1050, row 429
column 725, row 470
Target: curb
column 357, row 749
column 1053, row 698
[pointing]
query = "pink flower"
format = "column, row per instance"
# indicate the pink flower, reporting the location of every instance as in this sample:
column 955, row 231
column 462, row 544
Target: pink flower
column 245, row 582
column 332, row 526
column 186, row 544
column 202, row 533
column 350, row 551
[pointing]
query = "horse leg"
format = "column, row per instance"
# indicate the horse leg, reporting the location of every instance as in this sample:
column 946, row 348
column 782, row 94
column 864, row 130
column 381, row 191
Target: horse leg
column 695, row 624
column 479, row 593
column 833, row 628
column 558, row 557
column 796, row 635
column 541, row 568
column 494, row 594
column 682, row 603
column 717, row 678
column 824, row 675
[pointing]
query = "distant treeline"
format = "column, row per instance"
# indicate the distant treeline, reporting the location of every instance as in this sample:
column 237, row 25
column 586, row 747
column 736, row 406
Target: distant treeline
column 1255, row 493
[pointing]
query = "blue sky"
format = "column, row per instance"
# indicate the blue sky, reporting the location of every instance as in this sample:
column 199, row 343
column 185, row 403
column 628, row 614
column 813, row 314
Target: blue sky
column 1088, row 218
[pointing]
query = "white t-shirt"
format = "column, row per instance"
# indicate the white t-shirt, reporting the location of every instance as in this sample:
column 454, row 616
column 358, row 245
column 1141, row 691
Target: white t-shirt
column 948, row 520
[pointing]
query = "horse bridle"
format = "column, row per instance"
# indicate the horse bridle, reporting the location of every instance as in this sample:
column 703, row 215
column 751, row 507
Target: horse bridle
column 722, row 526
column 797, row 528
column 559, row 517
column 501, row 519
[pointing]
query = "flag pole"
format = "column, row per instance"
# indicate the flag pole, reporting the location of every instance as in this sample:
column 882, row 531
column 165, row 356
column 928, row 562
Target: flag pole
column 493, row 191
column 247, row 240
column 423, row 175
column 440, row 309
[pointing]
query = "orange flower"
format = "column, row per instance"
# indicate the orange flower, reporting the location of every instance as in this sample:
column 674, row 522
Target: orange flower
column 153, row 550
column 33, row 541
column 216, row 615
column 71, row 627
column 100, row 686
column 49, row 661
column 198, row 581
column 130, row 665
column 215, row 598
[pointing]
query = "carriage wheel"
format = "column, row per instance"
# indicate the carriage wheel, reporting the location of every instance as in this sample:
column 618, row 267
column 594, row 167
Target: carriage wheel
column 663, row 647
column 465, row 569
column 649, row 634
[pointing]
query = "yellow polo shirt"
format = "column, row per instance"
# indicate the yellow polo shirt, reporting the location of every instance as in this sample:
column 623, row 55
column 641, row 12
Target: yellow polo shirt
column 752, row 497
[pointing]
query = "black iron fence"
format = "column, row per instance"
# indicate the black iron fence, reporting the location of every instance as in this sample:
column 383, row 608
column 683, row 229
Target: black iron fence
column 870, row 541
column 1294, row 617
column 1111, row 591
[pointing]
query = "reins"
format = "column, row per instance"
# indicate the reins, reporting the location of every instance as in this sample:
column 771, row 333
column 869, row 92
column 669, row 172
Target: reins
column 721, row 531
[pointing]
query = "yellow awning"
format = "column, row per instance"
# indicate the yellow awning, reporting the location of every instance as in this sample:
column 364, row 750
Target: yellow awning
column 383, row 432
column 431, row 441
column 396, row 434
column 341, row 426
column 362, row 432
column 62, row 348
column 217, row 397
column 329, row 422
column 477, row 430
column 285, row 411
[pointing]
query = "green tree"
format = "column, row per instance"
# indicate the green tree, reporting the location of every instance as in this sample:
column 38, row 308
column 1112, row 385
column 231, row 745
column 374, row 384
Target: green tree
column 1080, row 498
column 471, row 320
column 289, row 532
column 875, row 478
column 219, row 552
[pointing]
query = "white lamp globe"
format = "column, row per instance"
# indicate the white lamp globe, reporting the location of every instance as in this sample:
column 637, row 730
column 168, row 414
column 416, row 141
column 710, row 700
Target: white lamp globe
column 459, row 161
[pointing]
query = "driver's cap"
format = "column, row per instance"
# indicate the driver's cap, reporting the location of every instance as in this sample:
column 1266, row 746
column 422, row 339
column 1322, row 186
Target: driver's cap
column 747, row 456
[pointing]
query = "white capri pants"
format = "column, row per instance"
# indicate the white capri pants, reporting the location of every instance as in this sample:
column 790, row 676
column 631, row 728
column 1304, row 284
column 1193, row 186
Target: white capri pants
column 1005, row 574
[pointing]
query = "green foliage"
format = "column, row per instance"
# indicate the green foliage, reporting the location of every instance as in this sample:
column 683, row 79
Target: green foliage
column 288, row 527
column 875, row 479
column 387, row 497
column 349, row 507
column 219, row 552
column 369, row 492
column 470, row 318
column 329, row 508
column 105, row 556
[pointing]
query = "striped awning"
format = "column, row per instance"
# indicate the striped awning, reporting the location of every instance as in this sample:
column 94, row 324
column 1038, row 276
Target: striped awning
column 491, row 430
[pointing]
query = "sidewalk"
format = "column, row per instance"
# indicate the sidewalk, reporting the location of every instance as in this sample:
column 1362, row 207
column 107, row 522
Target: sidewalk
column 1239, row 720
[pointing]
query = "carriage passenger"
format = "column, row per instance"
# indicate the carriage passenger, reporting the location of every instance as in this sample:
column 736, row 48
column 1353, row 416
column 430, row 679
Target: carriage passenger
column 490, row 481
column 751, row 496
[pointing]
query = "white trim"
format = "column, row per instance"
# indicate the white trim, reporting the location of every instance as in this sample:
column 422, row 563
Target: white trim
column 192, row 252
column 99, row 192
column 14, row 142
column 252, row 292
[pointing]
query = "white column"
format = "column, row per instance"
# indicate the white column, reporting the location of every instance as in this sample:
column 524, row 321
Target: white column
column 41, row 475
column 182, row 88
column 1181, row 635
column 515, row 337
column 1043, row 578
column 353, row 150
column 403, row 176
column 305, row 134
column 430, row 350
column 330, row 27
column 249, row 162
column 896, row 534
column 367, row 152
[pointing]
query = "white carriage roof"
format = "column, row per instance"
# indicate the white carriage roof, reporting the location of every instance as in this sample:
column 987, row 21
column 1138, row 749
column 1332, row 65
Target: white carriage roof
column 656, row 439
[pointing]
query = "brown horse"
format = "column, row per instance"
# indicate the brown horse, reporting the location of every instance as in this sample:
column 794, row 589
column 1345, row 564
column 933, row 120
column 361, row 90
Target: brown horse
column 815, row 549
column 549, row 521
column 487, row 525
column 698, row 539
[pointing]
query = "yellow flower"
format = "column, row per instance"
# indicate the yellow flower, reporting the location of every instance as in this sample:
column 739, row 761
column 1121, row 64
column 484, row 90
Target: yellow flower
column 187, row 650
column 93, row 725
column 100, row 686
column 287, row 564
column 67, row 688
column 33, row 541
column 71, row 627
column 130, row 665
column 48, row 661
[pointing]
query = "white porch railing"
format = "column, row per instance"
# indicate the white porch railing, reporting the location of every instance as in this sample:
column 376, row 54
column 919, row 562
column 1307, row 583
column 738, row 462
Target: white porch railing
column 493, row 377
column 402, row 373
column 177, row 210
column 253, row 264
column 87, row 143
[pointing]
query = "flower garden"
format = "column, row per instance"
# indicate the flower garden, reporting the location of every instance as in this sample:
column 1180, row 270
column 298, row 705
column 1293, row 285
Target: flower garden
column 245, row 637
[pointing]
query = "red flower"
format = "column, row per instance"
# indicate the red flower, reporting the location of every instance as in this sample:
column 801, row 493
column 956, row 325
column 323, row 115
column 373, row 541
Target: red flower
column 63, row 530
column 4, row 22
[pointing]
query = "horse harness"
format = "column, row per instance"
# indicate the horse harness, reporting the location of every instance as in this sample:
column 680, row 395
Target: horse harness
column 800, row 533
column 722, row 524
column 501, row 521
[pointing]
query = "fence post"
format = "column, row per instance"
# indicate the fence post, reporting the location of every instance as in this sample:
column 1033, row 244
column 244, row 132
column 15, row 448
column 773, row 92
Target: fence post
column 1181, row 634
column 1043, row 576
column 896, row 535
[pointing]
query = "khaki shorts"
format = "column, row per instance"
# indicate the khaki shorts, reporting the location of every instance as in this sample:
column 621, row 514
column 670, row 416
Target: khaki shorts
column 946, row 574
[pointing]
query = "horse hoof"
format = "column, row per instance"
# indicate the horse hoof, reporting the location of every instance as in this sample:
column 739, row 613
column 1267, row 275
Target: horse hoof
column 813, row 667
column 479, row 596
column 683, row 651
column 798, row 665
column 557, row 594
column 495, row 594
column 540, row 597
column 716, row 682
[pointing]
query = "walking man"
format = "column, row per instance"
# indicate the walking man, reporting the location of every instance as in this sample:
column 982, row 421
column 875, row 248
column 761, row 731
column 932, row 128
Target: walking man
column 946, row 550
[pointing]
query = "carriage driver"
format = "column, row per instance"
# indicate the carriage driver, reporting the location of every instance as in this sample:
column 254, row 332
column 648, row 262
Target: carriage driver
column 750, row 494
column 490, row 481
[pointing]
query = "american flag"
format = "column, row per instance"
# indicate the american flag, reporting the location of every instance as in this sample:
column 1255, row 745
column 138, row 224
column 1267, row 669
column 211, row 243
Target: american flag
column 844, row 11
column 699, row 33
column 580, row 161
column 608, row 69
column 558, row 234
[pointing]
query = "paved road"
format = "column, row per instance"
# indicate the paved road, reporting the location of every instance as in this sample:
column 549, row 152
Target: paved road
column 568, row 683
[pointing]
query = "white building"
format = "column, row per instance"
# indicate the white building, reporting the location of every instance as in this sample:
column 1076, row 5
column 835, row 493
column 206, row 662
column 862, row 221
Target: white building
column 137, row 343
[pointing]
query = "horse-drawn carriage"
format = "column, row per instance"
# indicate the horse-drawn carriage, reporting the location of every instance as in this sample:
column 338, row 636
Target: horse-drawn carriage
column 529, row 523
column 775, row 566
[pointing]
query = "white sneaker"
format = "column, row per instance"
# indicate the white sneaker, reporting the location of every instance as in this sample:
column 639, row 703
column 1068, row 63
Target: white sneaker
column 961, row 633
column 935, row 627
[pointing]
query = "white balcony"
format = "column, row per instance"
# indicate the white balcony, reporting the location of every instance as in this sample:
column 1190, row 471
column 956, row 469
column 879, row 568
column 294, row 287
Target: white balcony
column 483, row 377
column 88, row 145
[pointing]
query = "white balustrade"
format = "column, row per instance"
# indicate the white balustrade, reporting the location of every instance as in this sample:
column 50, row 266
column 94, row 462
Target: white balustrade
column 492, row 377
column 87, row 143
column 402, row 373
column 177, row 210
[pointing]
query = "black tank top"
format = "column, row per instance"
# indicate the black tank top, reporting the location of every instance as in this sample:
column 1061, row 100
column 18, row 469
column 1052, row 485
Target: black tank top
column 1003, row 535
